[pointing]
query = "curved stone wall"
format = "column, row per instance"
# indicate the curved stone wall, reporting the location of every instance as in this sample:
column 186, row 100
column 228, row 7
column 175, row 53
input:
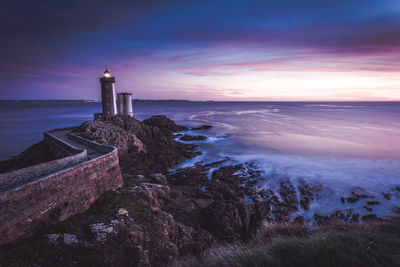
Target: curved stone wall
column 70, row 156
column 58, row 195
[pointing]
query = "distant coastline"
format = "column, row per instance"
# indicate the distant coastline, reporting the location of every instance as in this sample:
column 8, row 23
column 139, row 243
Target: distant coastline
column 95, row 101
column 203, row 101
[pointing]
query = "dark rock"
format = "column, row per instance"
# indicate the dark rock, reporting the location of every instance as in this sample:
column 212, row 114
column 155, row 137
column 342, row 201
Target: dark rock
column 305, row 203
column 158, row 178
column 142, row 148
column 372, row 203
column 387, row 195
column 227, row 220
column 226, row 174
column 367, row 208
column 352, row 199
column 299, row 220
column 163, row 122
column 355, row 218
column 193, row 137
column 370, row 217
column 289, row 197
column 203, row 127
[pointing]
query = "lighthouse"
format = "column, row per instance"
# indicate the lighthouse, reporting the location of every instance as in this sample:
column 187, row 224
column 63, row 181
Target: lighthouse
column 108, row 97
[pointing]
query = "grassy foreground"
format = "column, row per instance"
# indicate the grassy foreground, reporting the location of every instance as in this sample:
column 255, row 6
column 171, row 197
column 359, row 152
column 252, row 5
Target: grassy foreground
column 371, row 244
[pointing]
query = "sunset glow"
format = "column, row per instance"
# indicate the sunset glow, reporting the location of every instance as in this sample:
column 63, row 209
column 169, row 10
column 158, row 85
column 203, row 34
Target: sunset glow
column 242, row 51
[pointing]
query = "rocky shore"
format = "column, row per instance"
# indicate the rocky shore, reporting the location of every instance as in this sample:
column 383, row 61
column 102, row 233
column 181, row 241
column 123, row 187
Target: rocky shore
column 158, row 216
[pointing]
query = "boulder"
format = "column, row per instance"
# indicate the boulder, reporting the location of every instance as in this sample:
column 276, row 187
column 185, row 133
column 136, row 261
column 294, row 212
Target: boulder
column 163, row 122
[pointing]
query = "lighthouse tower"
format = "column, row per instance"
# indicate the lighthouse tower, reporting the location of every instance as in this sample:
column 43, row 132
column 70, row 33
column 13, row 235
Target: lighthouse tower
column 108, row 98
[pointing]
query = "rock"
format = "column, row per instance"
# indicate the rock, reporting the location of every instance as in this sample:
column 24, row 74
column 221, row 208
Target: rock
column 226, row 219
column 143, row 147
column 370, row 217
column 101, row 228
column 387, row 195
column 122, row 212
column 70, row 239
column 101, row 237
column 299, row 220
column 53, row 238
column 289, row 197
column 396, row 209
column 158, row 178
column 193, row 137
column 203, row 127
column 109, row 133
column 367, row 208
column 373, row 203
column 305, row 203
column 163, row 122
column 352, row 199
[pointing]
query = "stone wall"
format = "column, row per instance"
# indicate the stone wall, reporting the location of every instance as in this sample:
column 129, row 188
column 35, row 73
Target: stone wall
column 58, row 195
column 71, row 156
column 59, row 148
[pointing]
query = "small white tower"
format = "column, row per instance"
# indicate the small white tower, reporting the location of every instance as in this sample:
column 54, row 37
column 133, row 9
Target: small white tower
column 125, row 104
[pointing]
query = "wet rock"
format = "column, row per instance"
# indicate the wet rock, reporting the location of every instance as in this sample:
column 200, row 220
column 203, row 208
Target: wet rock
column 387, row 195
column 308, row 193
column 203, row 127
column 193, row 137
column 226, row 174
column 357, row 196
column 305, row 203
column 367, row 208
column 289, row 197
column 352, row 199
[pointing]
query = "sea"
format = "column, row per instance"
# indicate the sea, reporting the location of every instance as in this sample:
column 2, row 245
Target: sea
column 342, row 146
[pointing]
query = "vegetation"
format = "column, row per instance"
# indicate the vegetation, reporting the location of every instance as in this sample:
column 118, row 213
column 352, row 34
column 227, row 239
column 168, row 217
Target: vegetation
column 372, row 244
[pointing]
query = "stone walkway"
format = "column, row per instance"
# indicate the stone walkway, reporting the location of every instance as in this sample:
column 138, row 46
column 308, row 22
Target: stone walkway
column 91, row 152
column 18, row 180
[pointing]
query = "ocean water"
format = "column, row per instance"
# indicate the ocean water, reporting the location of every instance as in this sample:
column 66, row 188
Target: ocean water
column 342, row 146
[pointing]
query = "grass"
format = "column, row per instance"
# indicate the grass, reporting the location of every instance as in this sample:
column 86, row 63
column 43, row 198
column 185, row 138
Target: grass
column 373, row 244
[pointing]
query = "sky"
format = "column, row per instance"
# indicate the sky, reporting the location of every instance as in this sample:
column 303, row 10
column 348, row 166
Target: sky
column 270, row 50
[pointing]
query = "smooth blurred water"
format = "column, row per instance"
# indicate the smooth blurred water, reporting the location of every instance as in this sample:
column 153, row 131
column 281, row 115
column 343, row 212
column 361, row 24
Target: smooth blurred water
column 339, row 144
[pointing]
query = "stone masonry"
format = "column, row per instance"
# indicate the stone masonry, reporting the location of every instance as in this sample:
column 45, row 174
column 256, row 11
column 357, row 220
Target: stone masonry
column 66, row 191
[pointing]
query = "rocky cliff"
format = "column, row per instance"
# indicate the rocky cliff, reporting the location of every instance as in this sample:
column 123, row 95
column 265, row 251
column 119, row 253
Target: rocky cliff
column 158, row 216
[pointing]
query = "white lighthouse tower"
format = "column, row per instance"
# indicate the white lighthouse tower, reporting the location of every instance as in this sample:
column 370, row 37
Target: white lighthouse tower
column 108, row 97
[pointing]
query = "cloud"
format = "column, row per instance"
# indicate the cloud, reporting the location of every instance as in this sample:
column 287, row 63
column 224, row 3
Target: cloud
column 192, row 42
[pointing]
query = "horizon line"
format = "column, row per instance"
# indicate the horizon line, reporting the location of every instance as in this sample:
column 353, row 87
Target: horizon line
column 186, row 100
